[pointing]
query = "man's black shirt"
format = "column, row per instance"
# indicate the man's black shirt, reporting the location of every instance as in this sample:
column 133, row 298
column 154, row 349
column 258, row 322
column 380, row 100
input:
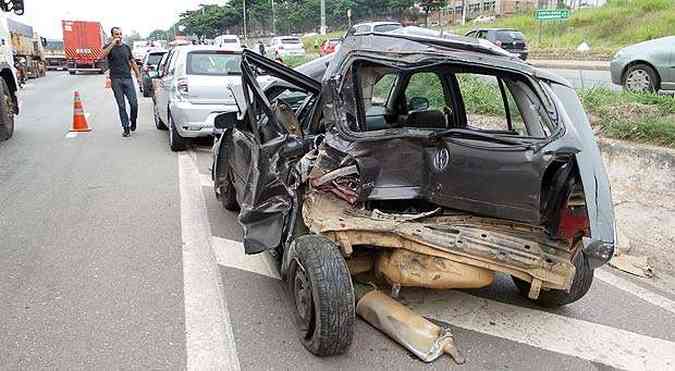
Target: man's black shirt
column 118, row 61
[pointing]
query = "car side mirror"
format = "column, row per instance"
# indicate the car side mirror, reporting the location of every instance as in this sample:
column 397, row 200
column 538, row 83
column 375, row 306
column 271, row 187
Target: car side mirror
column 227, row 120
column 418, row 104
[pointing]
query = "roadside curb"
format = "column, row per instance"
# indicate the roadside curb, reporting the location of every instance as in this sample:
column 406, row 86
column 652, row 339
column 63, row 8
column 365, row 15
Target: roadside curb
column 570, row 65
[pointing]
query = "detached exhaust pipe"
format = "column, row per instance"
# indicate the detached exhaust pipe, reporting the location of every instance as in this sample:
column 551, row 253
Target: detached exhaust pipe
column 426, row 340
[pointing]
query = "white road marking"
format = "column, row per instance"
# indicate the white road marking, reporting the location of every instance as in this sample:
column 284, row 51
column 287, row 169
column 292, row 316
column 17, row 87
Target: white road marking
column 631, row 288
column 231, row 254
column 71, row 135
column 206, row 180
column 603, row 344
column 209, row 338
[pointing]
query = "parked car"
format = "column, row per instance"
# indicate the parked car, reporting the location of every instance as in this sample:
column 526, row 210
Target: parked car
column 192, row 84
column 506, row 38
column 328, row 46
column 646, row 66
column 228, row 42
column 149, row 70
column 286, row 46
column 369, row 27
column 391, row 169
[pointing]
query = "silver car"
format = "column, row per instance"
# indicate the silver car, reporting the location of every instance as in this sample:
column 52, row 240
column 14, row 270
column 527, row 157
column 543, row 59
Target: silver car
column 645, row 67
column 192, row 84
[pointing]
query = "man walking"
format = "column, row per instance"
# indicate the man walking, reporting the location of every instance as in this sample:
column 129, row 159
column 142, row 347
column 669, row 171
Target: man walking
column 121, row 62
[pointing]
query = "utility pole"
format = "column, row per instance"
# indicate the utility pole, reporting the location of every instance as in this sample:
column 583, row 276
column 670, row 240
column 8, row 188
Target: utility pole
column 245, row 36
column 274, row 21
column 323, row 17
column 464, row 12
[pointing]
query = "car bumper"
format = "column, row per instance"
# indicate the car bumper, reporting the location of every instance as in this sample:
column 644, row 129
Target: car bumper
column 191, row 119
column 616, row 68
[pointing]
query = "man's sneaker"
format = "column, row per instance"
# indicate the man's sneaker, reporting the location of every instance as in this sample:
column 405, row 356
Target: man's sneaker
column 126, row 133
column 133, row 126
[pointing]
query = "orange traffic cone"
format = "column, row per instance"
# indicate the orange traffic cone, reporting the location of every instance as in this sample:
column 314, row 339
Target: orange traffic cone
column 79, row 120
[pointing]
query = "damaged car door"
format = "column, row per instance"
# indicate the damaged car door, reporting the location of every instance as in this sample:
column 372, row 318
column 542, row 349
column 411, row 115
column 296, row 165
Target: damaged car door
column 262, row 150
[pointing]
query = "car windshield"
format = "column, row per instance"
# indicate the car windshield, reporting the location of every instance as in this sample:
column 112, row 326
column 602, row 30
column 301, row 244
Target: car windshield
column 291, row 40
column 510, row 36
column 155, row 58
column 214, row 63
column 386, row 27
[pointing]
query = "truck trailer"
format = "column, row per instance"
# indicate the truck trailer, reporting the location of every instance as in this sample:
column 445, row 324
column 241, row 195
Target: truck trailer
column 27, row 46
column 83, row 46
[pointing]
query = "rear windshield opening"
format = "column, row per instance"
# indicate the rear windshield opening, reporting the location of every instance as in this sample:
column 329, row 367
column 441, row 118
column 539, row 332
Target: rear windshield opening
column 386, row 27
column 154, row 58
column 291, row 40
column 510, row 36
column 445, row 97
column 229, row 41
column 213, row 63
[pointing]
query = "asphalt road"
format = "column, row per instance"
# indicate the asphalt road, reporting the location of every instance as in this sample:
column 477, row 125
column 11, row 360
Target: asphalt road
column 115, row 254
column 587, row 79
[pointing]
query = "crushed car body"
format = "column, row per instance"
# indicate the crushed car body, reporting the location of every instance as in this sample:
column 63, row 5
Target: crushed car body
column 429, row 162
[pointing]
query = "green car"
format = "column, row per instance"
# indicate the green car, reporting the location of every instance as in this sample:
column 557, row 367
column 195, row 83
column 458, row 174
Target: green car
column 645, row 67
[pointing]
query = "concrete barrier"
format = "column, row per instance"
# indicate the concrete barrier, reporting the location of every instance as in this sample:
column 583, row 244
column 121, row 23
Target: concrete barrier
column 643, row 188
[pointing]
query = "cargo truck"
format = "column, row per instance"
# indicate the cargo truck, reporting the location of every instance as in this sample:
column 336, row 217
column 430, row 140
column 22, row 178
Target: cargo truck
column 27, row 47
column 83, row 46
column 9, row 102
column 54, row 55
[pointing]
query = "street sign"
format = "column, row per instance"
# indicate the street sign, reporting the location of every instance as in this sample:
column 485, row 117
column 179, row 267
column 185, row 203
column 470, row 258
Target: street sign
column 551, row 14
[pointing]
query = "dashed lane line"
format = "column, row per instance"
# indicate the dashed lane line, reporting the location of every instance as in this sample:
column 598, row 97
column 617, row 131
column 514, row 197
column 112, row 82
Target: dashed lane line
column 231, row 254
column 210, row 341
column 631, row 288
column 552, row 332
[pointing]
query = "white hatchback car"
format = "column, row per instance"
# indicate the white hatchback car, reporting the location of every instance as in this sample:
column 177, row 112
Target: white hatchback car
column 192, row 84
column 287, row 46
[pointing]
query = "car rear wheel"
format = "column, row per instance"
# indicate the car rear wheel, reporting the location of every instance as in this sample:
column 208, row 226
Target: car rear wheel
column 6, row 112
column 640, row 78
column 158, row 121
column 147, row 90
column 321, row 291
column 583, row 278
column 176, row 142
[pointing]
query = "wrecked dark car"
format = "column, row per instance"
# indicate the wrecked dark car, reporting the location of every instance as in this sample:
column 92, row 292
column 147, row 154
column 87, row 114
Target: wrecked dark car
column 428, row 162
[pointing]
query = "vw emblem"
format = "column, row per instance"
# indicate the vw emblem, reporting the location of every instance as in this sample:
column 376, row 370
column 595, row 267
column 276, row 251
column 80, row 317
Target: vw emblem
column 441, row 159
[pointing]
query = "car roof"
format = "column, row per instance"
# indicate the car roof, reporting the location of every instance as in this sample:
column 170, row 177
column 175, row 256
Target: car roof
column 378, row 23
column 412, row 48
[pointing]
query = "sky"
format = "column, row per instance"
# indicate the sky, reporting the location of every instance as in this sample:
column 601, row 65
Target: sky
column 143, row 16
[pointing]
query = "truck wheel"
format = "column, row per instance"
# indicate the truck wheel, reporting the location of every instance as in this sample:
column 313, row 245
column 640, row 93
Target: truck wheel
column 6, row 112
column 321, row 291
column 556, row 298
column 176, row 142
column 158, row 121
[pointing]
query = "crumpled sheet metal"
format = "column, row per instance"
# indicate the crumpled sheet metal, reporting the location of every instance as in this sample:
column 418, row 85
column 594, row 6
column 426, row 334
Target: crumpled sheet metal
column 478, row 242
column 417, row 334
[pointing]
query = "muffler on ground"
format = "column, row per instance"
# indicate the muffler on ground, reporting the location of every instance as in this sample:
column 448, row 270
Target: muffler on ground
column 417, row 334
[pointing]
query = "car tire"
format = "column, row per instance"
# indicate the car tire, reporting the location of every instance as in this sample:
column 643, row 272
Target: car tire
column 71, row 72
column 583, row 278
column 640, row 78
column 6, row 112
column 147, row 90
column 228, row 195
column 158, row 121
column 176, row 142
column 322, row 293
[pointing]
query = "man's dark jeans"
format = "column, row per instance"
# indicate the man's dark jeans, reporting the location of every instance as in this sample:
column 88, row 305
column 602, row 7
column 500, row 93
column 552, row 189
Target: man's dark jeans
column 122, row 88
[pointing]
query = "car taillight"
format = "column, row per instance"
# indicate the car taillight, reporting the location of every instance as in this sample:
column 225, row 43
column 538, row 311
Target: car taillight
column 182, row 87
column 146, row 68
column 498, row 43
